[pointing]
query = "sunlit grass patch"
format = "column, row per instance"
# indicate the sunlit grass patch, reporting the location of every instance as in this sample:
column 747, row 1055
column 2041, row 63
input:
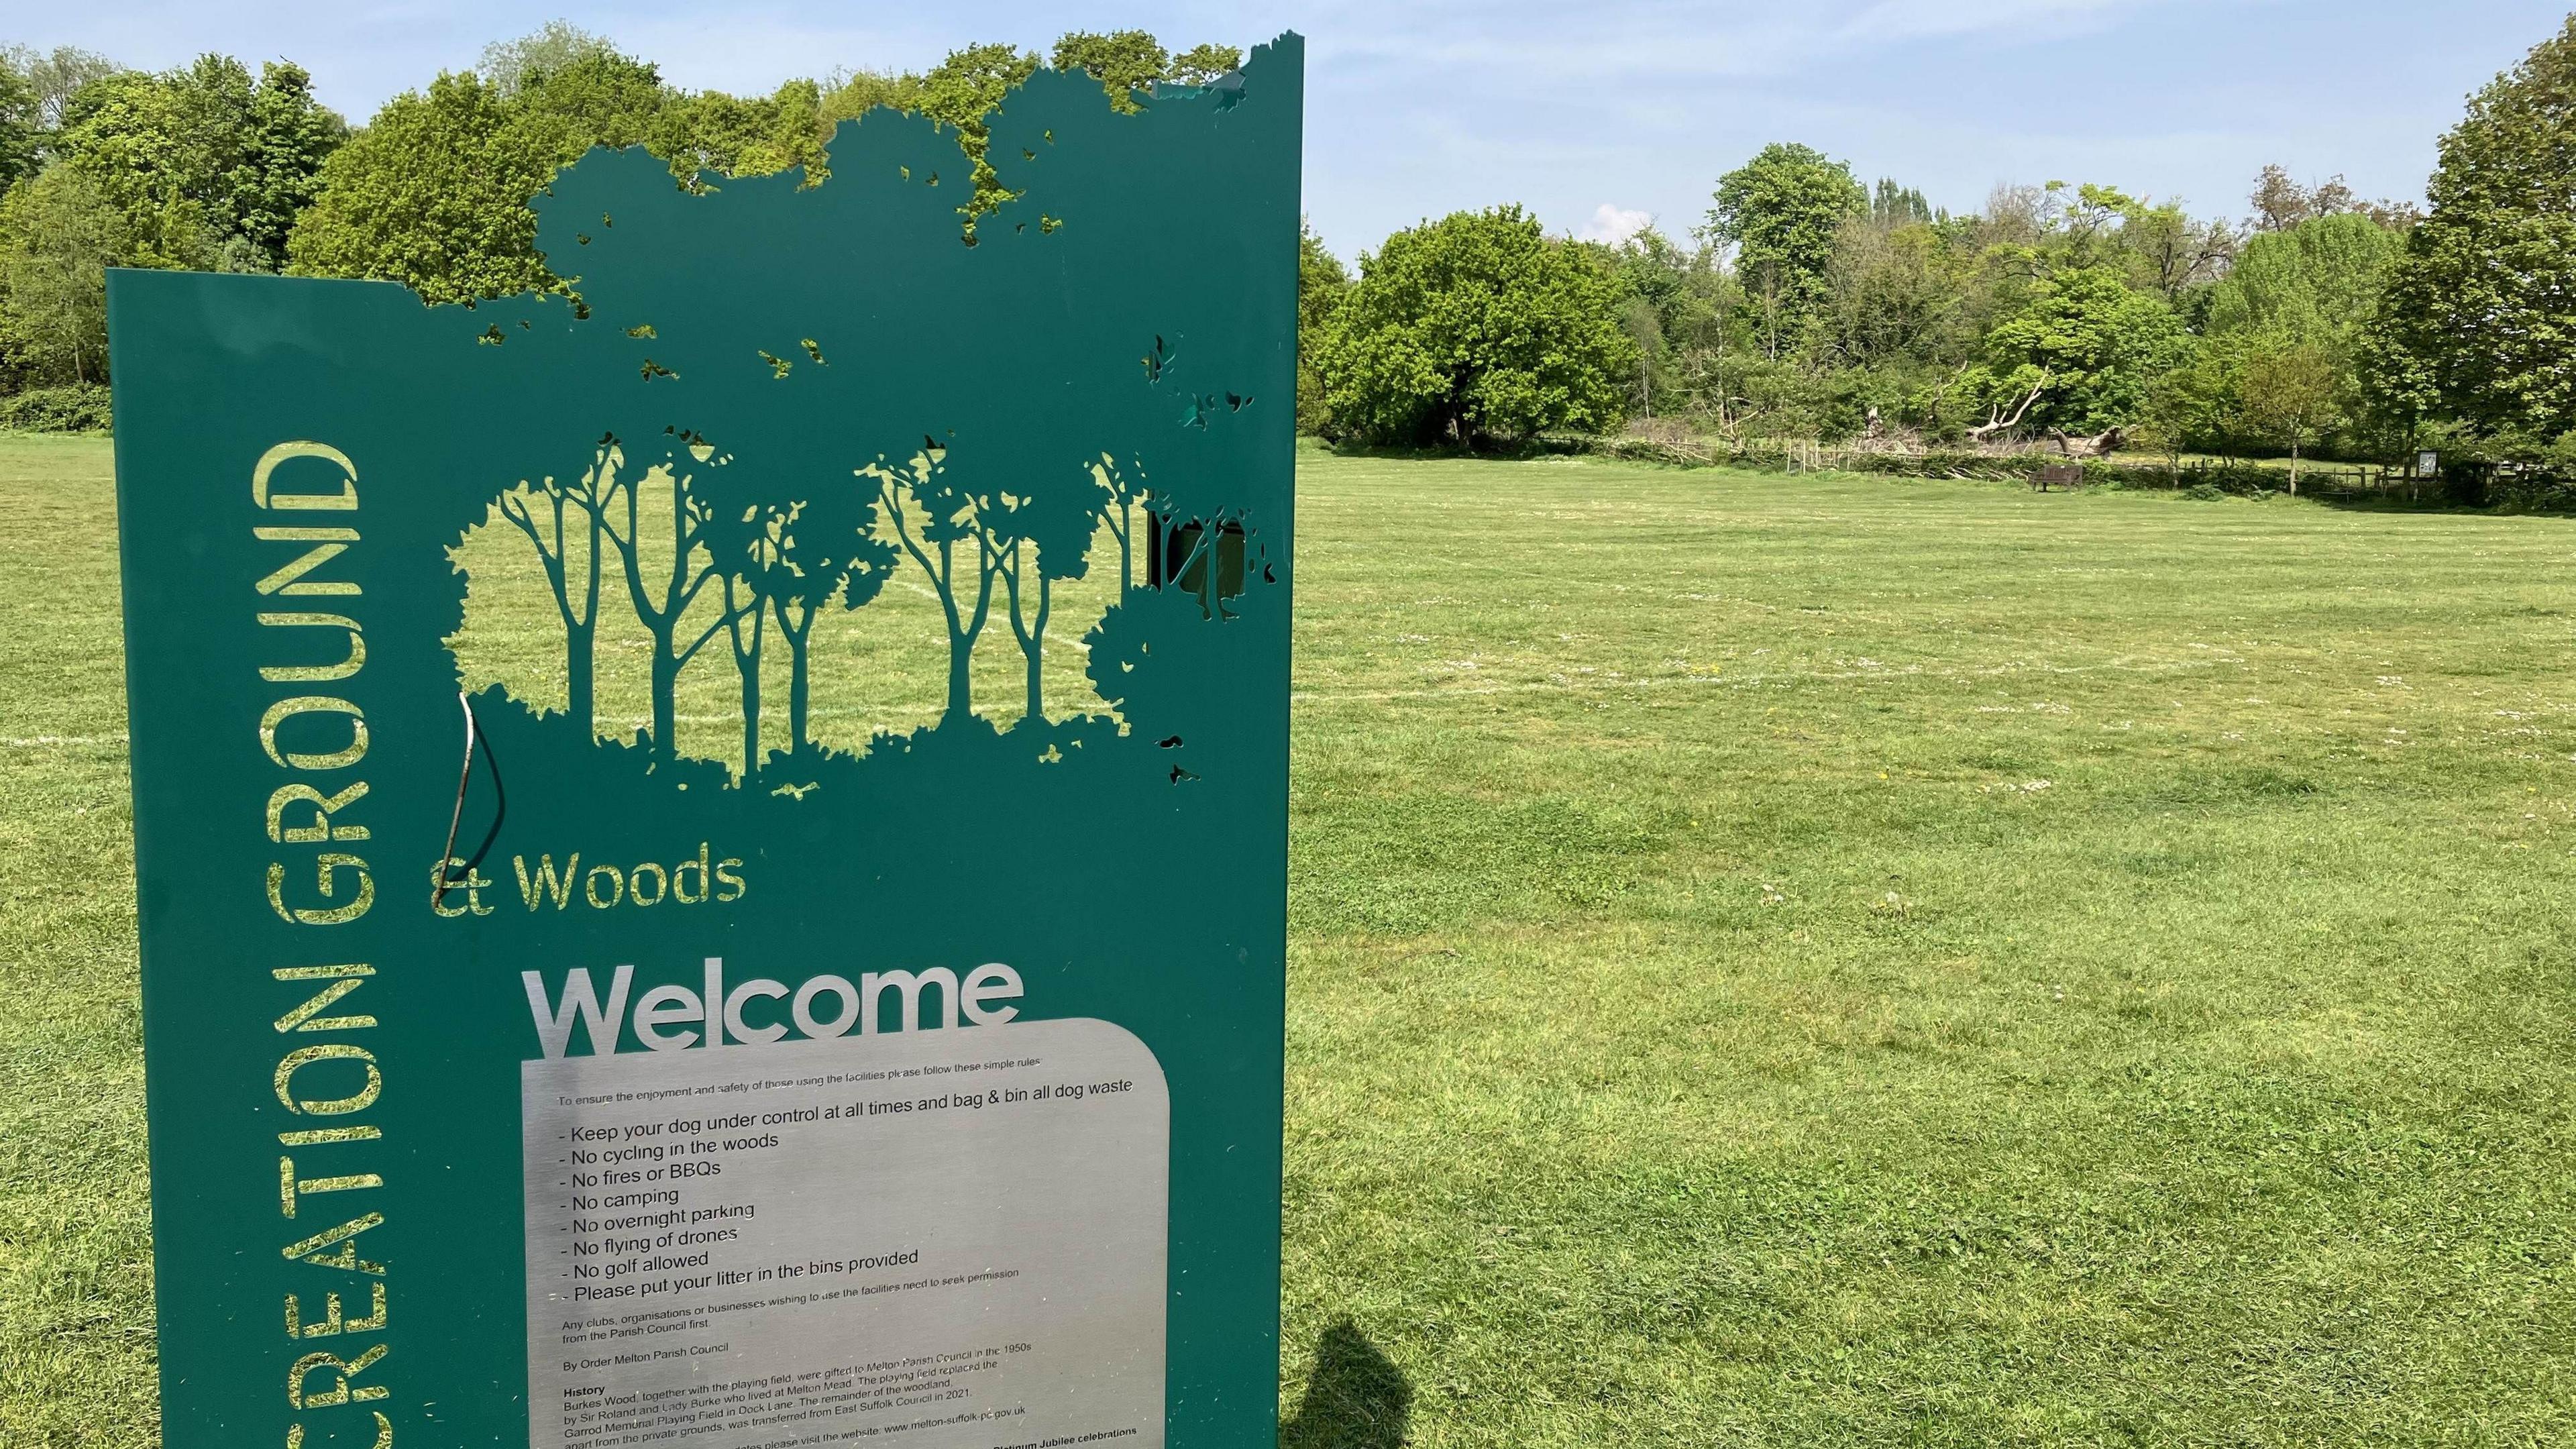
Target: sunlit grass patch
column 1792, row 961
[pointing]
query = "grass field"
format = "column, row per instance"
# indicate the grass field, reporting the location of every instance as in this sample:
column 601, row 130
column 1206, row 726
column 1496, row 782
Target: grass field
column 1773, row 961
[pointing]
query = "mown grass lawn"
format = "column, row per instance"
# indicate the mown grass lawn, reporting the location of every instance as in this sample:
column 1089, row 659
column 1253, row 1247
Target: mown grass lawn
column 1782, row 961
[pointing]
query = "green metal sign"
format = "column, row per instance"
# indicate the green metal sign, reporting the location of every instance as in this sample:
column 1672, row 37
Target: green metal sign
column 713, row 849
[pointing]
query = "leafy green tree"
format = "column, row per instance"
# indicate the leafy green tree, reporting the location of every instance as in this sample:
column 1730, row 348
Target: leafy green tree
column 848, row 95
column 2281, row 203
column 1321, row 281
column 291, row 136
column 2091, row 344
column 1676, row 310
column 2482, row 306
column 208, row 166
column 960, row 92
column 1891, row 205
column 2314, row 282
column 599, row 98
column 58, row 237
column 2302, row 292
column 738, row 136
column 2168, row 251
column 1890, row 294
column 1474, row 329
column 1201, row 64
column 56, row 76
column 1783, row 213
column 2199, row 402
column 1124, row 63
column 434, row 194
column 20, row 128
column 1129, row 61
column 553, row 46
column 163, row 160
column 2291, row 395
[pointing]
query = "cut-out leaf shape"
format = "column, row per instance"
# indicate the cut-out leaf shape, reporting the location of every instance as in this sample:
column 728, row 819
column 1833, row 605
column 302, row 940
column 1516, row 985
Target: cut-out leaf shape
column 814, row 350
column 654, row 369
column 1047, row 224
column 778, row 365
column 490, row 336
column 1158, row 361
column 582, row 237
column 642, row 329
column 1235, row 403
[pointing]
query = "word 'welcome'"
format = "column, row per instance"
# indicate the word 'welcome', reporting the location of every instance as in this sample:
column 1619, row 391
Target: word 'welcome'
column 675, row 1018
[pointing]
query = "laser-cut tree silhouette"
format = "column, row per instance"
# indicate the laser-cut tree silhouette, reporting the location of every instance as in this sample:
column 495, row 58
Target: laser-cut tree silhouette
column 743, row 535
column 783, row 561
column 1125, row 492
column 684, row 567
column 1037, row 538
column 830, row 549
column 589, row 496
column 946, row 517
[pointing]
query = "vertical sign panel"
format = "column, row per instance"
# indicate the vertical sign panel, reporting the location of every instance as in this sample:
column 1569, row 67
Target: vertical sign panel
column 712, row 842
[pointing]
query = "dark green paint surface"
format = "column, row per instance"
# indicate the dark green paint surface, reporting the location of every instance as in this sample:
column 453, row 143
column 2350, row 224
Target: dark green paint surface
column 1129, row 302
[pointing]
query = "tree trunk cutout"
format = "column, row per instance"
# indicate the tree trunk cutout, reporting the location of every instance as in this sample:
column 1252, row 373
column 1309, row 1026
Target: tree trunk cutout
column 661, row 608
column 591, row 497
column 947, row 519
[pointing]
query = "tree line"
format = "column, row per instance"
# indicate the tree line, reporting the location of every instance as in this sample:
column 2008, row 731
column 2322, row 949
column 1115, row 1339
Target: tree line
column 1804, row 304
column 210, row 167
column 1807, row 305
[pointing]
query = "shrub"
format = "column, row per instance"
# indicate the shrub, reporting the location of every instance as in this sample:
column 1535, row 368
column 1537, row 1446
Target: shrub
column 75, row 408
column 1475, row 330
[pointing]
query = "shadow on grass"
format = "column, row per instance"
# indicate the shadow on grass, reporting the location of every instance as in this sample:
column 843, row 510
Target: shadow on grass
column 2432, row 502
column 1447, row 452
column 1356, row 1398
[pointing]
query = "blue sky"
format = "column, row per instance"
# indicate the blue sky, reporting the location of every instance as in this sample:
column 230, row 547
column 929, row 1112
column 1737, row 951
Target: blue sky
column 1589, row 113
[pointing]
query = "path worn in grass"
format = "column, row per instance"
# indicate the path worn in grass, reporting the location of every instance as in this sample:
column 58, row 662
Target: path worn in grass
column 1791, row 961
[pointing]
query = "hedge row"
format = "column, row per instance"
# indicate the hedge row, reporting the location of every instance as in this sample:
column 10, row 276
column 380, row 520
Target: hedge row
column 2230, row 477
column 77, row 408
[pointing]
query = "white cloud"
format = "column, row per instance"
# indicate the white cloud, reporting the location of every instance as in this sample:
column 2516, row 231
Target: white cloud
column 1615, row 224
